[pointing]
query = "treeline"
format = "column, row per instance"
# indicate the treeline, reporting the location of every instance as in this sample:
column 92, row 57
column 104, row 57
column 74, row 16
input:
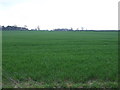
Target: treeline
column 63, row 29
column 7, row 28
column 16, row 28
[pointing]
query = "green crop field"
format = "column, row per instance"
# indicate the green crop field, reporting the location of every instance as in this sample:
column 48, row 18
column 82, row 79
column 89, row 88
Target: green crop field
column 59, row 59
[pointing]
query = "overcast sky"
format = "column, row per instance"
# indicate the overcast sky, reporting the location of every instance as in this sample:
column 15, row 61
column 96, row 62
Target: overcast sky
column 50, row 14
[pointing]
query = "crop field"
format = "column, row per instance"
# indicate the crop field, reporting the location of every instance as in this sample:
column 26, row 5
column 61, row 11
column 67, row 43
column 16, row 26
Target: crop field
column 59, row 59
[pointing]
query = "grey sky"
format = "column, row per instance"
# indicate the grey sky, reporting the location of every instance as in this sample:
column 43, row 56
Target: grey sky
column 50, row 14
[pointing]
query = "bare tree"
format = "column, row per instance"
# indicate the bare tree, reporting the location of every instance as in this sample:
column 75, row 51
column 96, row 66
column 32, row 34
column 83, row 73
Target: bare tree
column 25, row 26
column 71, row 28
column 82, row 28
column 38, row 28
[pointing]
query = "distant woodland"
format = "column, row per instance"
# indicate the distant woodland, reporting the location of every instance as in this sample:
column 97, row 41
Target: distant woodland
column 16, row 28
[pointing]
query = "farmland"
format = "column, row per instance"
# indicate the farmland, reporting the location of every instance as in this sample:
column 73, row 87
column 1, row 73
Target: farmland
column 59, row 59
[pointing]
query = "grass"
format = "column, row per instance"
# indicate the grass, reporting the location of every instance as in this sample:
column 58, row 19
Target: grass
column 60, row 57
